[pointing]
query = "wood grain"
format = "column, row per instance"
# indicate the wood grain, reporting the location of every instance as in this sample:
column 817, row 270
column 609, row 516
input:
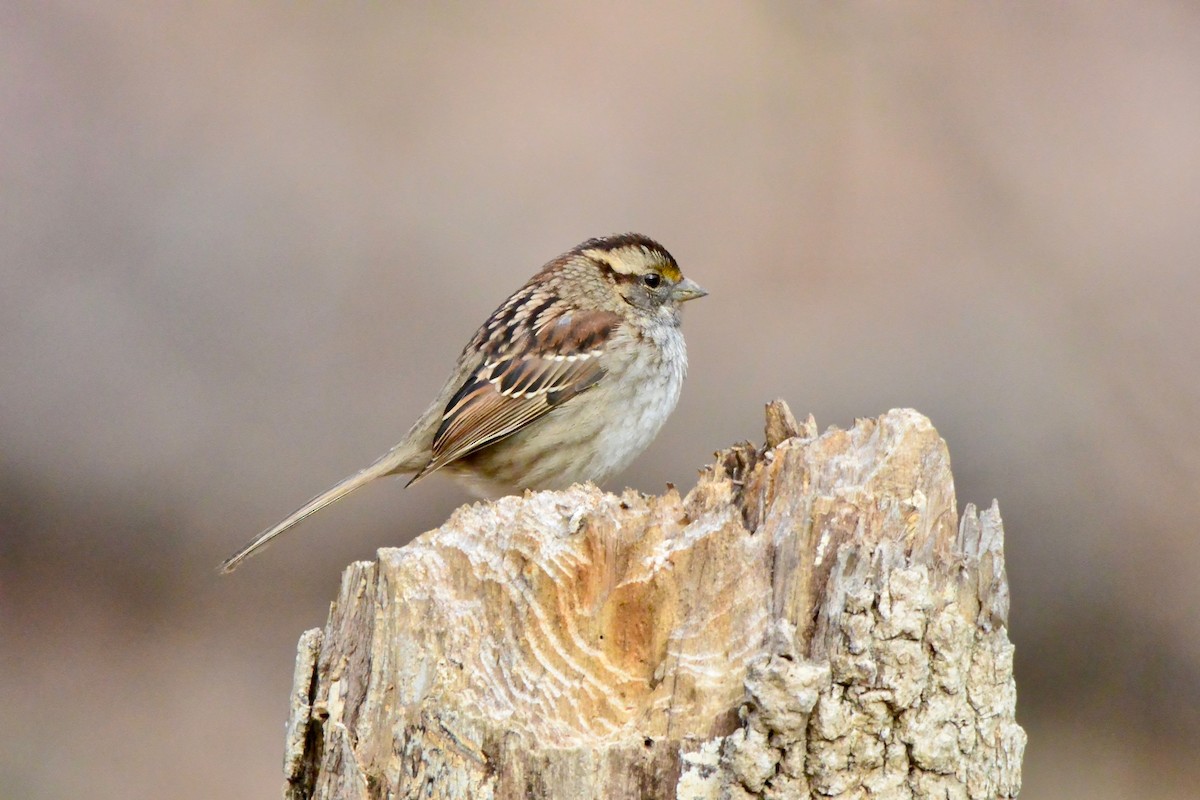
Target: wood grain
column 811, row 619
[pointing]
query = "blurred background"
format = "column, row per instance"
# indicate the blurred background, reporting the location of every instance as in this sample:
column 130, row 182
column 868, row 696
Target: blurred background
column 241, row 245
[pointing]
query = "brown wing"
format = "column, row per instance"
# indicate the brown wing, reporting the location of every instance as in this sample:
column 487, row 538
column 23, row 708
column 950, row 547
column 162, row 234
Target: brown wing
column 520, row 381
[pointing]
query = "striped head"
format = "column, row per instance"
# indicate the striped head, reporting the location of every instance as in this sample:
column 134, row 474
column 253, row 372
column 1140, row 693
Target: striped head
column 643, row 273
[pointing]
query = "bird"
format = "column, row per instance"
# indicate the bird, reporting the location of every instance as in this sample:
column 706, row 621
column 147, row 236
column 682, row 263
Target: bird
column 567, row 381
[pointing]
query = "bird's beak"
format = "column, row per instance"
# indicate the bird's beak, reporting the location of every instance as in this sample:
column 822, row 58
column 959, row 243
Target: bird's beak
column 687, row 289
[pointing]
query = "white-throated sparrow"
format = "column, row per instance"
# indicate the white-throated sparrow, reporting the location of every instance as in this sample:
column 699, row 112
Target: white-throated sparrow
column 567, row 381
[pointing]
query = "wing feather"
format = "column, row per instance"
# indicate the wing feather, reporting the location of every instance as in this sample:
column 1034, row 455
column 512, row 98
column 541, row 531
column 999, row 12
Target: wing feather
column 522, row 381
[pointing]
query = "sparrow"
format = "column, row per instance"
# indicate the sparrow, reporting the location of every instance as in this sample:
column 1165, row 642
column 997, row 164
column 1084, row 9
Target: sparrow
column 567, row 381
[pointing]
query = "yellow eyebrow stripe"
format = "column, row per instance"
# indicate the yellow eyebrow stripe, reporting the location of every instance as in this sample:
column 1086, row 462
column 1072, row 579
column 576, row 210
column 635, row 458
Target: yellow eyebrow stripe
column 622, row 267
column 671, row 273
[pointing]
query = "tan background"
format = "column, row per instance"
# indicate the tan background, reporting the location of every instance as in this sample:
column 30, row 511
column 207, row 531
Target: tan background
column 240, row 246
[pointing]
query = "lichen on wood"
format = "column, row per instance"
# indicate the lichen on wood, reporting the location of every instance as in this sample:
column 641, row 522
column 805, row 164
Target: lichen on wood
column 811, row 619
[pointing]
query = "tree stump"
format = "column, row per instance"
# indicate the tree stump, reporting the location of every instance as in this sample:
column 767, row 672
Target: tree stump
column 813, row 619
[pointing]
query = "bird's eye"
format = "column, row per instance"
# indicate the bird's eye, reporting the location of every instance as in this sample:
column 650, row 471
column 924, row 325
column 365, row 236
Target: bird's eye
column 652, row 280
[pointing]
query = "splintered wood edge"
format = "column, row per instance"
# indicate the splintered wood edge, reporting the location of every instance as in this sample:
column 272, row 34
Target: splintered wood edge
column 304, row 685
column 981, row 545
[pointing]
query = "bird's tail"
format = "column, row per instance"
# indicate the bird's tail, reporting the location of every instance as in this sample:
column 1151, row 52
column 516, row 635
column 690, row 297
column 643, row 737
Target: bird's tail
column 394, row 461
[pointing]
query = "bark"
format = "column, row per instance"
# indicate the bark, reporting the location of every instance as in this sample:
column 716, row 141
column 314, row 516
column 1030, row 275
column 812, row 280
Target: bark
column 813, row 619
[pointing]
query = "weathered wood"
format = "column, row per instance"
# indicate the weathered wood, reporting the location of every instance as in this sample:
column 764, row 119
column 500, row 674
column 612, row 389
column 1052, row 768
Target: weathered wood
column 812, row 619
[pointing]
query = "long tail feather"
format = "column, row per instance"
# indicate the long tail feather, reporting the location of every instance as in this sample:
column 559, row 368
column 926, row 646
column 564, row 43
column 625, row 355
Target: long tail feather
column 383, row 466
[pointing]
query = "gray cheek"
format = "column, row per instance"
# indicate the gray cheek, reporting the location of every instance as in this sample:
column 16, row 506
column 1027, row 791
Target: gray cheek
column 640, row 298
